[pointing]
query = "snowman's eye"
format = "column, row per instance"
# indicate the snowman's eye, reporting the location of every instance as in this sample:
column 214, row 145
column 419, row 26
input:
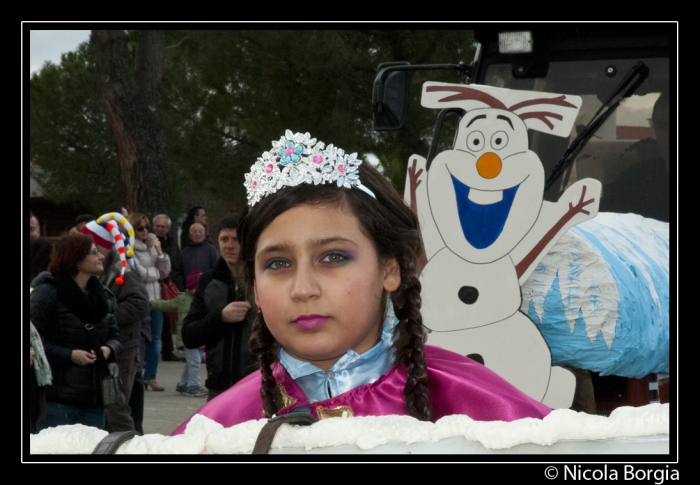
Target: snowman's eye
column 475, row 141
column 499, row 140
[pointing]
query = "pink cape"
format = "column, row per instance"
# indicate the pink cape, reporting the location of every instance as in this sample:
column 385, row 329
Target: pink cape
column 458, row 385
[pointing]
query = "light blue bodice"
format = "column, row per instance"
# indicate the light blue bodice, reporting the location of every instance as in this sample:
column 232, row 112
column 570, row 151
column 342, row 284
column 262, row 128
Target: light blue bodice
column 350, row 371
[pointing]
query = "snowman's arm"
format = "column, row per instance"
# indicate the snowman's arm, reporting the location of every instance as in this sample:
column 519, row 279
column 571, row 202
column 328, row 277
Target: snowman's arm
column 416, row 196
column 579, row 203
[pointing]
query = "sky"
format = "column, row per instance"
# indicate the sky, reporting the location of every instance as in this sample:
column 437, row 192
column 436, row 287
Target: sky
column 48, row 45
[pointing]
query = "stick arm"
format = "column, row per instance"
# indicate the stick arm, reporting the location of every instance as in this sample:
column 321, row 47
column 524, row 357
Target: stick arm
column 579, row 203
column 416, row 196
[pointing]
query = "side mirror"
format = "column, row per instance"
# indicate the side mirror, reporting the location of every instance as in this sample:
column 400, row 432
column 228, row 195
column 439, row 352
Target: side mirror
column 439, row 123
column 390, row 96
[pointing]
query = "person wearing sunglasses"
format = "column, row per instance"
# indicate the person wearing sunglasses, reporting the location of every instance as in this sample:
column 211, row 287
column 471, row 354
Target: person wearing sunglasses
column 153, row 264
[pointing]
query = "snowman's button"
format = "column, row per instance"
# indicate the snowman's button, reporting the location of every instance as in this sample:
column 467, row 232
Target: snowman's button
column 476, row 358
column 468, row 294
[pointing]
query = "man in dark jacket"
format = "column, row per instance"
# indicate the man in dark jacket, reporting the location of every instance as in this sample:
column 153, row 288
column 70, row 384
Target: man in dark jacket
column 161, row 227
column 199, row 255
column 132, row 308
column 220, row 317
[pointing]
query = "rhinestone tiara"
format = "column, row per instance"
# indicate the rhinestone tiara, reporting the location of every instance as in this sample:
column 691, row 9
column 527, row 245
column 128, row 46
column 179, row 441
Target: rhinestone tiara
column 297, row 158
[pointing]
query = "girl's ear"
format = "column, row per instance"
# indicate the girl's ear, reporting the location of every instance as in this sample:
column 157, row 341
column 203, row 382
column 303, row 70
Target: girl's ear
column 392, row 275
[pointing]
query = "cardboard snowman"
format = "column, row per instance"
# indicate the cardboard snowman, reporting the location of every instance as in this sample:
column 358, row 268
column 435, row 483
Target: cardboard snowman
column 485, row 226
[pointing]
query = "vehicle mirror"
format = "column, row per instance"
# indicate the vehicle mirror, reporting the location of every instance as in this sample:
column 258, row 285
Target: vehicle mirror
column 390, row 96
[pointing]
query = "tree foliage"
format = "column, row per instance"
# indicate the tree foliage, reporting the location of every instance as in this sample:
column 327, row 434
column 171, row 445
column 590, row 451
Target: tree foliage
column 71, row 153
column 227, row 94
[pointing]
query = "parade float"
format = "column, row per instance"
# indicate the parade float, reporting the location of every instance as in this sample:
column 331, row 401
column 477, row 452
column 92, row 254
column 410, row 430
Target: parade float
column 627, row 431
column 528, row 283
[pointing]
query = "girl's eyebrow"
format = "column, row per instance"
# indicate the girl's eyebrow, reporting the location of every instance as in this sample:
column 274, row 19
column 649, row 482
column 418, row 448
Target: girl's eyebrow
column 331, row 240
column 282, row 247
column 275, row 248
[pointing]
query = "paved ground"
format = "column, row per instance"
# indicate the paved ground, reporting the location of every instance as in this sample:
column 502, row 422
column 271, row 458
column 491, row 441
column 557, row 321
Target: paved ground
column 164, row 411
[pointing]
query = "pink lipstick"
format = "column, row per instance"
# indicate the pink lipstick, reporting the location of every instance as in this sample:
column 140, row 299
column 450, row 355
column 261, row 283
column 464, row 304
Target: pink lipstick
column 310, row 322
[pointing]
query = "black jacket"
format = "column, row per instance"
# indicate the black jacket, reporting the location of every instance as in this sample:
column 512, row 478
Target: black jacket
column 132, row 300
column 169, row 246
column 228, row 355
column 201, row 256
column 59, row 310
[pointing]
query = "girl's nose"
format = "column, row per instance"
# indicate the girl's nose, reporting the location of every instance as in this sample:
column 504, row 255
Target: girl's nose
column 489, row 165
column 305, row 285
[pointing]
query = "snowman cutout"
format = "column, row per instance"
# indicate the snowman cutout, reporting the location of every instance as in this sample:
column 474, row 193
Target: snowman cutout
column 485, row 227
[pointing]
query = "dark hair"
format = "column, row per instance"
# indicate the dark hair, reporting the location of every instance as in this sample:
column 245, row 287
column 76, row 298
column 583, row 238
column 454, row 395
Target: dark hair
column 67, row 253
column 185, row 228
column 394, row 230
column 229, row 222
column 84, row 218
column 190, row 215
column 39, row 255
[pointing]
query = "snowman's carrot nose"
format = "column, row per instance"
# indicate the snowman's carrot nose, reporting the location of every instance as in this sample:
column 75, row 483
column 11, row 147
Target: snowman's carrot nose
column 489, row 165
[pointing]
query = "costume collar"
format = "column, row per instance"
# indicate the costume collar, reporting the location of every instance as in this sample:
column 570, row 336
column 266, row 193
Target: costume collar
column 351, row 370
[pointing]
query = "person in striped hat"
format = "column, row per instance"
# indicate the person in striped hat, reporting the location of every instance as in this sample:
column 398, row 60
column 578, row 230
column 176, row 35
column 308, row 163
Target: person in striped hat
column 132, row 308
column 106, row 234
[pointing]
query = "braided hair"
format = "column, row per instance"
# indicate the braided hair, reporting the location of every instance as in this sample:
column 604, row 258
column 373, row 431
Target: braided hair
column 393, row 228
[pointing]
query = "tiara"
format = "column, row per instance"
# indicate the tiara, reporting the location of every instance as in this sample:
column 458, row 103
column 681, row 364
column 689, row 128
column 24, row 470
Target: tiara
column 297, row 158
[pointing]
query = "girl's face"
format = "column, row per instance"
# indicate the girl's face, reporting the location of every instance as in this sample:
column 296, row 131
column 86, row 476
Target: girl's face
column 319, row 283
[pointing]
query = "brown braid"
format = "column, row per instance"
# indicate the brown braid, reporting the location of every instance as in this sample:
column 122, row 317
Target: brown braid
column 409, row 346
column 264, row 348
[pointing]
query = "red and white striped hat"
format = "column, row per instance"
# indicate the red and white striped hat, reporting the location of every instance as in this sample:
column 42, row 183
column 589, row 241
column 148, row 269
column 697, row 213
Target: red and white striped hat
column 105, row 232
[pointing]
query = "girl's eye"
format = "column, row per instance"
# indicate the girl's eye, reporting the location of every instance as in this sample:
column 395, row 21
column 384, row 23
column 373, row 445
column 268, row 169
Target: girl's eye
column 334, row 258
column 277, row 264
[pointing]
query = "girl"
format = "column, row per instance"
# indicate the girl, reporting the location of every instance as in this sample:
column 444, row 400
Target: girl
column 329, row 252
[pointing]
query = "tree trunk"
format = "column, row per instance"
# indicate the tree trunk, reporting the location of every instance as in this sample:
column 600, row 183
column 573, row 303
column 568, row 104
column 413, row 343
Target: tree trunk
column 133, row 104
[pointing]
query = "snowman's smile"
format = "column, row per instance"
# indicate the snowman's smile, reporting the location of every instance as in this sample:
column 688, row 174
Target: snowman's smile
column 485, row 197
column 482, row 214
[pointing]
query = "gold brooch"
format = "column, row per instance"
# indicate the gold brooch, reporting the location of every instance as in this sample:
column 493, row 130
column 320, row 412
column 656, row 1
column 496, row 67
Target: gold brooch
column 336, row 412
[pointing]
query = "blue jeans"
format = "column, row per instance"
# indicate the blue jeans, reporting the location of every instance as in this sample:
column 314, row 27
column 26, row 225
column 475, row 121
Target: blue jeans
column 190, row 374
column 153, row 348
column 58, row 414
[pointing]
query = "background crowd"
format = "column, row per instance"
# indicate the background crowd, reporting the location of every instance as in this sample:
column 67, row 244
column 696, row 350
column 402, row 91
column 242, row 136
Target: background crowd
column 93, row 304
